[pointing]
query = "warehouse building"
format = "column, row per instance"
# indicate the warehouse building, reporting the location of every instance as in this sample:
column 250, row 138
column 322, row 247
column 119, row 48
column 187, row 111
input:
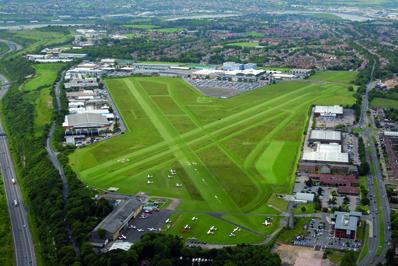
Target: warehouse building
column 325, row 136
column 327, row 153
column 304, row 197
column 87, row 124
column 117, row 220
column 328, row 168
column 329, row 111
column 346, row 224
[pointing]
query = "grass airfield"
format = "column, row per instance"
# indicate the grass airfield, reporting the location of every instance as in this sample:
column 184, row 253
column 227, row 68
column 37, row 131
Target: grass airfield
column 230, row 155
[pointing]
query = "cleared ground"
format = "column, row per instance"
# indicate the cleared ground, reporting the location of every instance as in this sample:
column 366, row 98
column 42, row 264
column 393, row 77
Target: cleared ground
column 230, row 155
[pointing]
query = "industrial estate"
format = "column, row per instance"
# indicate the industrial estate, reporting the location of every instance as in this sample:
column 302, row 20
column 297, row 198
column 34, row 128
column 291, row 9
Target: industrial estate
column 216, row 138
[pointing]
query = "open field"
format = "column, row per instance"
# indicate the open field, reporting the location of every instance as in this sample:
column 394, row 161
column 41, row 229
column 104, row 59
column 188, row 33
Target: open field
column 230, row 155
column 40, row 87
column 141, row 26
column 169, row 30
column 334, row 76
column 3, row 48
column 244, row 44
column 384, row 103
column 46, row 75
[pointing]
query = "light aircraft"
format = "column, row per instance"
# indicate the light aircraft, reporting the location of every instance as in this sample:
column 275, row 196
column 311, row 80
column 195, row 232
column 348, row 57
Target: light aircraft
column 195, row 218
column 231, row 234
column 140, row 230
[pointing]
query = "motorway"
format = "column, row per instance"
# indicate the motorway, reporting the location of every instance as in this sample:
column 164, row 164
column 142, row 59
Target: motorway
column 375, row 178
column 22, row 237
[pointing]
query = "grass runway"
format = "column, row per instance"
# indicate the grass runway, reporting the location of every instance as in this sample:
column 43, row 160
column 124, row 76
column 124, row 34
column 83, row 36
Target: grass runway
column 231, row 155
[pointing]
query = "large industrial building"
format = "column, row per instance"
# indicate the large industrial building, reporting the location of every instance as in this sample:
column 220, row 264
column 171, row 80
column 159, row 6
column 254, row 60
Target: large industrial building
column 327, row 153
column 231, row 66
column 325, row 136
column 85, row 124
column 117, row 220
column 329, row 111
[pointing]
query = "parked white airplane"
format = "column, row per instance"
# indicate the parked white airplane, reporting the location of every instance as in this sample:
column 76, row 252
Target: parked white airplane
column 231, row 234
column 149, row 182
column 195, row 218
column 140, row 230
column 267, row 222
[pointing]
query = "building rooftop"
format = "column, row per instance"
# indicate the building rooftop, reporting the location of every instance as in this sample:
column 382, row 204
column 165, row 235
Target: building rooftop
column 85, row 120
column 331, row 135
column 347, row 220
column 327, row 153
column 391, row 133
column 329, row 110
column 304, row 196
column 119, row 216
column 123, row 245
column 348, row 190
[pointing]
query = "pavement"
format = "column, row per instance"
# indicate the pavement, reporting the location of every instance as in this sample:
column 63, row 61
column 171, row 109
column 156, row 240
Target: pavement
column 21, row 235
column 145, row 225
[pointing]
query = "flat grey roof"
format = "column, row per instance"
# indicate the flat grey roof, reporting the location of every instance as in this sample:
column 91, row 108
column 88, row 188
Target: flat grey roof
column 331, row 135
column 328, row 110
column 85, row 120
column 119, row 216
column 326, row 153
column 347, row 220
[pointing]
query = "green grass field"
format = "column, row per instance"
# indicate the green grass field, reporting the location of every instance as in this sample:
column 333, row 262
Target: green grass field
column 334, row 76
column 244, row 44
column 384, row 103
column 255, row 34
column 3, row 48
column 46, row 75
column 230, row 155
column 40, row 87
column 141, row 26
column 169, row 30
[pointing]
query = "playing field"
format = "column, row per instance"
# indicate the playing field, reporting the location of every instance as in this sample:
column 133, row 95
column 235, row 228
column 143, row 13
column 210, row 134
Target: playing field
column 244, row 44
column 230, row 155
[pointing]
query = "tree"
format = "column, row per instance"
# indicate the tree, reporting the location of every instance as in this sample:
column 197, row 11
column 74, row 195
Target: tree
column 303, row 209
column 309, row 182
column 364, row 168
column 349, row 259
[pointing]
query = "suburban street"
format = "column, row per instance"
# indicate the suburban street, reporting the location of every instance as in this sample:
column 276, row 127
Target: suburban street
column 22, row 238
column 373, row 244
